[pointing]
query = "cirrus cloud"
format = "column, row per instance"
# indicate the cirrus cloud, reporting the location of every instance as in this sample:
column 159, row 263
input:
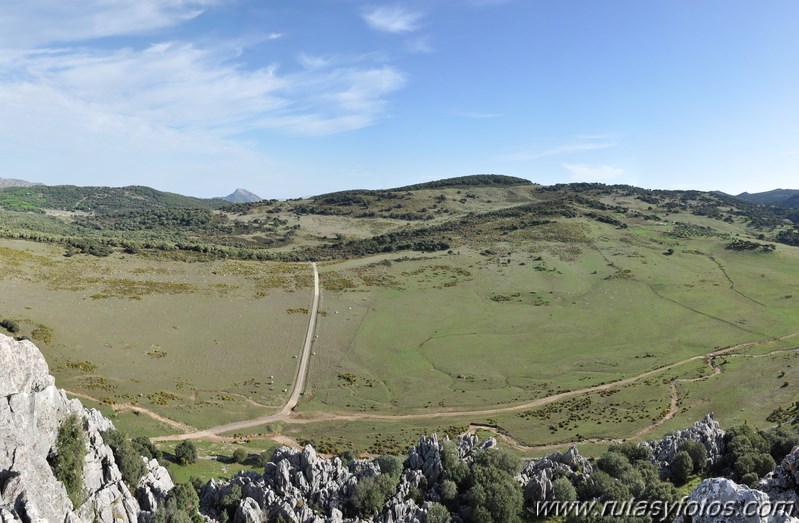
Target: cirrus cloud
column 392, row 19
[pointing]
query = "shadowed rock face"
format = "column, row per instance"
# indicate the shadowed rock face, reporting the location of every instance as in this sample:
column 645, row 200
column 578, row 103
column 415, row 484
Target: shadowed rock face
column 31, row 412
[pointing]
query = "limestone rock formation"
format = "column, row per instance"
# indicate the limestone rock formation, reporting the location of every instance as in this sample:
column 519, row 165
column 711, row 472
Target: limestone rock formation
column 725, row 500
column 31, row 412
column 706, row 431
column 538, row 474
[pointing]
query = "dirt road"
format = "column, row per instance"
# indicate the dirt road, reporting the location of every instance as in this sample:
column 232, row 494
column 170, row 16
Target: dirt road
column 299, row 383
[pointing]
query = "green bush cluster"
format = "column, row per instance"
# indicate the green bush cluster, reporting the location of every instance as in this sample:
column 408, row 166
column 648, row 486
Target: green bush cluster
column 749, row 454
column 128, row 453
column 484, row 492
column 10, row 325
column 66, row 458
column 186, row 452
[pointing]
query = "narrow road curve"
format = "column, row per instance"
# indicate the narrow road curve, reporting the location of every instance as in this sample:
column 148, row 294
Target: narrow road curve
column 299, row 383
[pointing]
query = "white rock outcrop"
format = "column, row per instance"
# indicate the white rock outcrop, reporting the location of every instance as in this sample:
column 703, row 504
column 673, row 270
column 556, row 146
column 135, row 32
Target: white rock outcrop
column 31, row 412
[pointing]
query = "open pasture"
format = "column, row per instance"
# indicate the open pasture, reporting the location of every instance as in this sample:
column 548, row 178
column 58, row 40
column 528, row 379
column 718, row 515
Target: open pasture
column 196, row 342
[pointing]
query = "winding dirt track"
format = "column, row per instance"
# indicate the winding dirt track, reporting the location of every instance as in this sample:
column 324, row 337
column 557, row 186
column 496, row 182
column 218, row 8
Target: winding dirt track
column 286, row 415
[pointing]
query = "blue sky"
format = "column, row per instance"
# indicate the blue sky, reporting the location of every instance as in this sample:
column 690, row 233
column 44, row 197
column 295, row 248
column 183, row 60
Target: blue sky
column 297, row 97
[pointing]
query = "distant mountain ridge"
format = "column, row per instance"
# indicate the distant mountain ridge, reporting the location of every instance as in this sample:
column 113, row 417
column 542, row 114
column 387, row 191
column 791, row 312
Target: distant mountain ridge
column 782, row 197
column 242, row 196
column 13, row 182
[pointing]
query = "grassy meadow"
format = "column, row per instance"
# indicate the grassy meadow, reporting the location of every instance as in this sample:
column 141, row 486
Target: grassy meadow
column 507, row 307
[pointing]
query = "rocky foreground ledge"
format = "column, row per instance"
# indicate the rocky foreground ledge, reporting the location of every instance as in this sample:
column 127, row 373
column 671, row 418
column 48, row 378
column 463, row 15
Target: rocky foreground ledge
column 296, row 486
column 31, row 411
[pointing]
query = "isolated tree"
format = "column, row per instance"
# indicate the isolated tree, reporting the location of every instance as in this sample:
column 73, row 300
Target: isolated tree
column 186, row 452
column 240, row 456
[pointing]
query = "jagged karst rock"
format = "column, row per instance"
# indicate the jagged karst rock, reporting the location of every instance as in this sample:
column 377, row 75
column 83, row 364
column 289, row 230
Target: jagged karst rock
column 537, row 476
column 291, row 481
column 153, row 488
column 31, row 412
column 783, row 483
column 723, row 492
column 706, row 431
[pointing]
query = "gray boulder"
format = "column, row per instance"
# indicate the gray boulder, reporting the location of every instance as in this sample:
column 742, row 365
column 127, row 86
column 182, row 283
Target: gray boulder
column 31, row 412
column 706, row 431
column 720, row 499
column 537, row 476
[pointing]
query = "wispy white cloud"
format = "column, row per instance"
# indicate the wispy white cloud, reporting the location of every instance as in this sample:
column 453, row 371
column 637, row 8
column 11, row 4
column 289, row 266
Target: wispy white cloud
column 421, row 45
column 475, row 115
column 181, row 86
column 581, row 145
column 275, row 36
column 28, row 23
column 392, row 19
column 487, row 3
column 593, row 173
column 309, row 61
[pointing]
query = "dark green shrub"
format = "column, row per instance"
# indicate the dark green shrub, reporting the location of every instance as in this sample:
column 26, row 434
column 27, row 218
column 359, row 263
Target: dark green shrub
column 67, row 458
column 781, row 442
column 262, row 459
column 10, row 325
column 495, row 496
column 614, row 463
column 347, row 457
column 563, row 490
column 681, row 467
column 240, row 456
column 603, row 487
column 181, row 506
column 449, row 490
column 391, row 465
column 632, row 451
column 750, row 479
column 186, row 452
column 698, row 454
column 454, row 468
column 371, row 493
column 127, row 457
column 146, row 448
column 437, row 513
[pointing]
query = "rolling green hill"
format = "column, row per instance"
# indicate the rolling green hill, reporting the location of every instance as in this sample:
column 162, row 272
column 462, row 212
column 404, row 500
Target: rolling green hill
column 782, row 197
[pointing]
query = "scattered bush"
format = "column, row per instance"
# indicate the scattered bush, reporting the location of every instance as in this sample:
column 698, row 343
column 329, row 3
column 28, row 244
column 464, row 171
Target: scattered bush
column 186, row 452
column 127, row 457
column 67, row 458
column 240, row 456
column 10, row 325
